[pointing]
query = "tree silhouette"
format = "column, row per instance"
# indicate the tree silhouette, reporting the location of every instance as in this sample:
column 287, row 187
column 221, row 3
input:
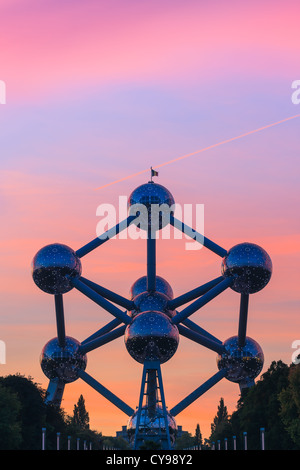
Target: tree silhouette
column 198, row 437
column 221, row 427
column 80, row 415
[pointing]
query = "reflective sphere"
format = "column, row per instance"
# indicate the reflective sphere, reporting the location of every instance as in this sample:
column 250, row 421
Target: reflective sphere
column 251, row 265
column 62, row 363
column 244, row 363
column 162, row 286
column 154, row 301
column 152, row 202
column 52, row 267
column 151, row 337
column 152, row 428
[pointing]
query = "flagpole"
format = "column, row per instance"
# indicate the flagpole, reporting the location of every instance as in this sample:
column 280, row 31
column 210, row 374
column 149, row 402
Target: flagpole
column 151, row 173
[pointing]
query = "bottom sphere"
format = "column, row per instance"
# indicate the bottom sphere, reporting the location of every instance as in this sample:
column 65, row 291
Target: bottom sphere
column 152, row 427
column 62, row 362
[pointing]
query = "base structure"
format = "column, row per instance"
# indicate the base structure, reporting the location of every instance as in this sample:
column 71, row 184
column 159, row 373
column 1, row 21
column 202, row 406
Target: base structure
column 151, row 420
column 151, row 324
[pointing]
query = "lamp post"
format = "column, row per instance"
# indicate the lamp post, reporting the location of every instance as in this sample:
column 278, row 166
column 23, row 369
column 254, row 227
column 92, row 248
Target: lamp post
column 262, row 437
column 43, row 438
column 57, row 440
column 245, row 440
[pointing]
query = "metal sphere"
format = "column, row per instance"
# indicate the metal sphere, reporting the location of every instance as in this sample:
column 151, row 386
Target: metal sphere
column 152, row 202
column 250, row 265
column 154, row 301
column 53, row 266
column 242, row 363
column 151, row 337
column 152, row 427
column 62, row 362
column 161, row 285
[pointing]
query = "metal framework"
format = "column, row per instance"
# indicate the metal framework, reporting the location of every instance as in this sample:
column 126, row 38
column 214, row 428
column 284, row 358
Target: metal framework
column 245, row 269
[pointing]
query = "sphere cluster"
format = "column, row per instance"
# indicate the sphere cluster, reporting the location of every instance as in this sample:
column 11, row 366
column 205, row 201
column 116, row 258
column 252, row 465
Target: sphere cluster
column 54, row 266
column 242, row 363
column 151, row 334
column 249, row 265
column 63, row 363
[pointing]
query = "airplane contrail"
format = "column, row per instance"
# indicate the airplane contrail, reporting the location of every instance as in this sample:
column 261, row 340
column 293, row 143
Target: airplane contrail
column 202, row 150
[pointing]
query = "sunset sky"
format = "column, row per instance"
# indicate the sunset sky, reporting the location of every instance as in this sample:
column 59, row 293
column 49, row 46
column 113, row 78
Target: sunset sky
column 97, row 91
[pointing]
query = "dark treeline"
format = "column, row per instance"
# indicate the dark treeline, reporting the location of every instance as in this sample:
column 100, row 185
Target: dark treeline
column 273, row 404
column 23, row 414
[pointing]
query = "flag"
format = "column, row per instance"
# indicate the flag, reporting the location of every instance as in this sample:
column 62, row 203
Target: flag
column 154, row 173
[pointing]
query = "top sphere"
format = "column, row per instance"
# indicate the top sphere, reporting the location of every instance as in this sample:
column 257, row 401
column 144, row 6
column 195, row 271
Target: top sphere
column 250, row 265
column 152, row 203
column 52, row 267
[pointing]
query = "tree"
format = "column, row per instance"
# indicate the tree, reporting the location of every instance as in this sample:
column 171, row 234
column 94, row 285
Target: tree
column 32, row 411
column 198, row 437
column 10, row 426
column 260, row 407
column 221, row 427
column 185, row 441
column 289, row 399
column 80, row 415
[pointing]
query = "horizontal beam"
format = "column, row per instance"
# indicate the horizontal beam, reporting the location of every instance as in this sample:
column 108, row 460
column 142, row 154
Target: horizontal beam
column 101, row 340
column 198, row 392
column 201, row 339
column 193, row 294
column 218, row 250
column 98, row 299
column 106, row 393
column 109, row 295
column 112, row 232
column 210, row 295
column 102, row 331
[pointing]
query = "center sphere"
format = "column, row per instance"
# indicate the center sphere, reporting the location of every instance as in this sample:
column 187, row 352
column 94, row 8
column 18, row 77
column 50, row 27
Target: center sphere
column 161, row 285
column 151, row 336
column 153, row 204
column 154, row 301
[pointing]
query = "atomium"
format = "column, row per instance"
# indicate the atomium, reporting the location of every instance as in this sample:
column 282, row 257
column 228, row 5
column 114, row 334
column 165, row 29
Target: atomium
column 62, row 362
column 151, row 320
